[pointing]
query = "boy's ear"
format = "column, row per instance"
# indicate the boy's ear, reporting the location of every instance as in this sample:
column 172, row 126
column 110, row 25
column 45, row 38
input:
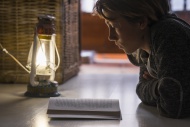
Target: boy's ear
column 143, row 23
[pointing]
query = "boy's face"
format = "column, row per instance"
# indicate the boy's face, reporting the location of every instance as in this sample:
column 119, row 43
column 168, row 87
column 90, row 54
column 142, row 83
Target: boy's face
column 126, row 35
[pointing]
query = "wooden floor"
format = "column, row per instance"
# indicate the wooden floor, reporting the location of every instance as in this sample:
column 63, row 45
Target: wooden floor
column 94, row 81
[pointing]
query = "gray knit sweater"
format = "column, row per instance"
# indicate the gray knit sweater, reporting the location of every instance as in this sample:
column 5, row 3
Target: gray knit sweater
column 169, row 64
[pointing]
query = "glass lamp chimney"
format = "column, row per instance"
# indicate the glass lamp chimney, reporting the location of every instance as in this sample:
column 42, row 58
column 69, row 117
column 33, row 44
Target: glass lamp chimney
column 41, row 59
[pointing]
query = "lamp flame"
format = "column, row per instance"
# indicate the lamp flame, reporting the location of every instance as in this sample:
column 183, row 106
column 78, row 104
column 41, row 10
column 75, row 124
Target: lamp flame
column 41, row 57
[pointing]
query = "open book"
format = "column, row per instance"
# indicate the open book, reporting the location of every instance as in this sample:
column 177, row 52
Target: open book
column 60, row 107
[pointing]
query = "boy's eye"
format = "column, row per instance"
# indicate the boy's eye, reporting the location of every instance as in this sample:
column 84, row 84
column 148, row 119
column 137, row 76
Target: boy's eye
column 115, row 25
column 112, row 26
column 109, row 25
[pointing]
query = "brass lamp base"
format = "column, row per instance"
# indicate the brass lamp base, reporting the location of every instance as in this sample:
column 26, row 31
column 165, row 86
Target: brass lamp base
column 49, row 90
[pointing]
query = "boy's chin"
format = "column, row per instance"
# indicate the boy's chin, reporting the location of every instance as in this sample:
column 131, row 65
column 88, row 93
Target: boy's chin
column 127, row 51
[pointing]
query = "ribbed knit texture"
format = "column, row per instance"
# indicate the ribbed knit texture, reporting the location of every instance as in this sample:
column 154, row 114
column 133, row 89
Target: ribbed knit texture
column 169, row 63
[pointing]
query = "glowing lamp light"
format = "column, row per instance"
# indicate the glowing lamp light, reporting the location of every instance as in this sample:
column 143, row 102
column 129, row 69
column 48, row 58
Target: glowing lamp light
column 41, row 59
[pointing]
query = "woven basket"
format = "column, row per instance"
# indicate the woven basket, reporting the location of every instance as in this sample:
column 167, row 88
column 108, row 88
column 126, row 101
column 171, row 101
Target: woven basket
column 17, row 21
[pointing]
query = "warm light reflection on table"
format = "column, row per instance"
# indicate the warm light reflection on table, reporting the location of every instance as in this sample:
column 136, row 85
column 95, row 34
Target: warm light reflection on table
column 41, row 121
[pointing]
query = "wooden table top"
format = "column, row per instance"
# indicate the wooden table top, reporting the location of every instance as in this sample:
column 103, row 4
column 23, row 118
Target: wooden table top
column 16, row 110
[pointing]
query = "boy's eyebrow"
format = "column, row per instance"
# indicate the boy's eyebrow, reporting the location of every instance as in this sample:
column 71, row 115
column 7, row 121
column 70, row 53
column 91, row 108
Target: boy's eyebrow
column 110, row 21
column 106, row 21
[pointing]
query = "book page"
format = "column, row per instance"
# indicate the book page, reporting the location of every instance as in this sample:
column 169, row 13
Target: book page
column 83, row 116
column 60, row 107
column 75, row 104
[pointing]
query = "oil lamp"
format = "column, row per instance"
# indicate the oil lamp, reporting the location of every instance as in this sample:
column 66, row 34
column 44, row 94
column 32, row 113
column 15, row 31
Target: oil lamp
column 41, row 59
